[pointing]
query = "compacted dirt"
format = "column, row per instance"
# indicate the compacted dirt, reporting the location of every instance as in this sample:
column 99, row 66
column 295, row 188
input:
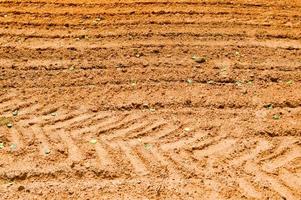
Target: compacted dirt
column 150, row 99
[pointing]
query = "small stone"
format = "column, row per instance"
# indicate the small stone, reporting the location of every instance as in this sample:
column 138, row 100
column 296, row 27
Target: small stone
column 97, row 19
column 13, row 146
column 9, row 125
column 152, row 109
column 1, row 145
column 198, row 59
column 46, row 151
column 187, row 129
column 15, row 113
column 190, row 81
column 53, row 114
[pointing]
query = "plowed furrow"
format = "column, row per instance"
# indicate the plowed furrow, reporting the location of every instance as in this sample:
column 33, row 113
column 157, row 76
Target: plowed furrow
column 147, row 8
column 215, row 33
column 57, row 44
column 214, row 21
column 122, row 4
column 98, row 54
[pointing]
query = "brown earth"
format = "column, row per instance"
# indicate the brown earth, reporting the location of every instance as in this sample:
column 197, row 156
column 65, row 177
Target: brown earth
column 102, row 99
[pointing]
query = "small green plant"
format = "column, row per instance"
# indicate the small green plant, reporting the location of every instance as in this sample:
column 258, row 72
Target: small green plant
column 147, row 146
column 133, row 83
column 238, row 83
column 93, row 141
column 290, row 82
column 276, row 117
column 190, row 81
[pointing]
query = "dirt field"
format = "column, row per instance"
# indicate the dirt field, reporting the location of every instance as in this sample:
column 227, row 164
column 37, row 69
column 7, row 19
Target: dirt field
column 150, row 99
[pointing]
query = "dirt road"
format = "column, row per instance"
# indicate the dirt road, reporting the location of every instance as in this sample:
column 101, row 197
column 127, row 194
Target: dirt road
column 150, row 99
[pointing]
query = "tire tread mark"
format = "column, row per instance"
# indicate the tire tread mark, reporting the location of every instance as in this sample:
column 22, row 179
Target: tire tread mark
column 121, row 133
column 157, row 154
column 77, row 119
column 105, row 161
column 149, row 128
column 248, row 189
column 272, row 182
column 291, row 180
column 262, row 145
column 214, row 149
column 94, row 128
column 282, row 160
column 183, row 142
column 40, row 135
column 137, row 164
column 16, row 138
column 74, row 152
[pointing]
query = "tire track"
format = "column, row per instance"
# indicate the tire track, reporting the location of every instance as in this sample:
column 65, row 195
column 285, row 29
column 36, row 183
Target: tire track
column 74, row 153
column 39, row 134
column 177, row 156
column 274, row 184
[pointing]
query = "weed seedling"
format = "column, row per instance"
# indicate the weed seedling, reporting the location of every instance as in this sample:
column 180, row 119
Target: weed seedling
column 93, row 141
column 276, row 117
column 190, row 81
column 290, row 82
column 147, row 146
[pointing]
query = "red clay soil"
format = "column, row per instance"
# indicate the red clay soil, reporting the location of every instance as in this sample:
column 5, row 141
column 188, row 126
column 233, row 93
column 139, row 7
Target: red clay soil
column 150, row 99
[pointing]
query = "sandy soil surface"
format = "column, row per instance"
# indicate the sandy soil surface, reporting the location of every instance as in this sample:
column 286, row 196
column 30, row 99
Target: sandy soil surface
column 150, row 99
